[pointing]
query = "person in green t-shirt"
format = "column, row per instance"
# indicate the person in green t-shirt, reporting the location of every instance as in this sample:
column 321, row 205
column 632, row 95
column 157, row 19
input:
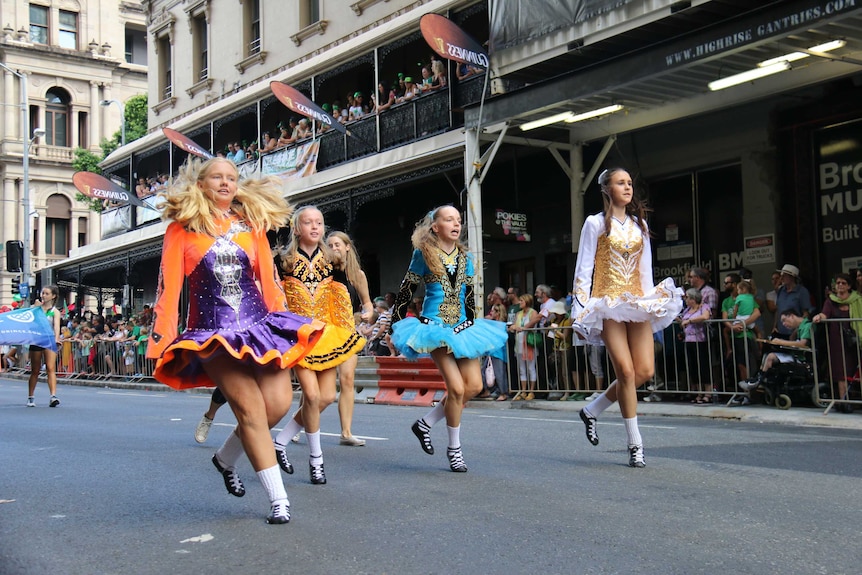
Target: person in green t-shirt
column 740, row 314
column 800, row 337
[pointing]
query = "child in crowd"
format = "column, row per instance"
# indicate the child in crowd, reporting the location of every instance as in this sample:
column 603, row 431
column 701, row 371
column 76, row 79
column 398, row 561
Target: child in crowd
column 743, row 304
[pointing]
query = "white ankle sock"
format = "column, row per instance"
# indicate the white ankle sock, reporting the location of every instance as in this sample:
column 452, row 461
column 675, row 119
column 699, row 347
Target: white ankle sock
column 228, row 454
column 437, row 413
column 314, row 446
column 632, row 431
column 598, row 405
column 291, row 429
column 271, row 480
column 454, row 436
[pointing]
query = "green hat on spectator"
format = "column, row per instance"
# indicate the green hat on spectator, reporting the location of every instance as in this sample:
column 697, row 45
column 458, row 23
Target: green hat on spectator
column 408, row 79
column 400, row 76
column 357, row 94
column 326, row 107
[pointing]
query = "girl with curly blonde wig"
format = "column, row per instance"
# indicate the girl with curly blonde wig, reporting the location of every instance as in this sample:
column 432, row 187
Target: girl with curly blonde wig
column 239, row 338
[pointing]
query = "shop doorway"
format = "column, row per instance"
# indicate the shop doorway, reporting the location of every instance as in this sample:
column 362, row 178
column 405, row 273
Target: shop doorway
column 520, row 274
column 697, row 219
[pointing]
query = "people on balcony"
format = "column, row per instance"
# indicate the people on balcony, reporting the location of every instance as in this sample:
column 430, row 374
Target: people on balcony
column 427, row 78
column 464, row 71
column 267, row 142
column 356, row 110
column 411, row 90
column 287, row 133
column 438, row 80
column 239, row 153
column 303, row 130
column 142, row 190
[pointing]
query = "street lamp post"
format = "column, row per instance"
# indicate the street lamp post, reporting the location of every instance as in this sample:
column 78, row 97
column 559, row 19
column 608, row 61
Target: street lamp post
column 26, row 142
column 122, row 118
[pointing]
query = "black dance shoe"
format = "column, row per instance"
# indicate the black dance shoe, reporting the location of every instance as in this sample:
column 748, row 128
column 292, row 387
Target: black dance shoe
column 231, row 478
column 423, row 432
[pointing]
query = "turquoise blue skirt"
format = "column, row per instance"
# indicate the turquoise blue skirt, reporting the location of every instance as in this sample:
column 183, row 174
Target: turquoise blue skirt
column 418, row 337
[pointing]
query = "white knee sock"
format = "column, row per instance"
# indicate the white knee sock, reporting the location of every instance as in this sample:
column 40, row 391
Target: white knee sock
column 228, row 454
column 599, row 405
column 632, row 431
column 437, row 413
column 271, row 480
column 291, row 429
column 314, row 446
column 454, row 436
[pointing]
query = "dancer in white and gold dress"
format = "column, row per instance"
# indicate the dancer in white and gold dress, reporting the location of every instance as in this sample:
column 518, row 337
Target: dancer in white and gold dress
column 615, row 300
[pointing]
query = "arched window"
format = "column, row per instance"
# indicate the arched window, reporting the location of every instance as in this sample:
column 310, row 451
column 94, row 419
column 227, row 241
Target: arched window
column 57, row 117
column 57, row 218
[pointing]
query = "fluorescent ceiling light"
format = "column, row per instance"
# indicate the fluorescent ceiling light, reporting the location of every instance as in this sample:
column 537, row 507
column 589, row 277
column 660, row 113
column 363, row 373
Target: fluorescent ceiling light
column 545, row 121
column 828, row 46
column 748, row 76
column 794, row 56
column 570, row 117
column 594, row 113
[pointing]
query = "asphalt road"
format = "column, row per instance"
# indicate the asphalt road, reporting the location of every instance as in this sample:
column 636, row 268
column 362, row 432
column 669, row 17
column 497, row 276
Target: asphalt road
column 112, row 482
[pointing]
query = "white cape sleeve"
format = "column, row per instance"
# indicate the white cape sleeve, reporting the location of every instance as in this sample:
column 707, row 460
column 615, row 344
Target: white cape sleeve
column 583, row 284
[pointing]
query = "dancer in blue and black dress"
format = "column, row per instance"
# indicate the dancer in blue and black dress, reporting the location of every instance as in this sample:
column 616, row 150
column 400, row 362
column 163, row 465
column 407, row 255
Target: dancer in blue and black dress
column 448, row 328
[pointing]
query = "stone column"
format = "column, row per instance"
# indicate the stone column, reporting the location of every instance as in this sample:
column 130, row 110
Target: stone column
column 10, row 100
column 73, row 131
column 95, row 124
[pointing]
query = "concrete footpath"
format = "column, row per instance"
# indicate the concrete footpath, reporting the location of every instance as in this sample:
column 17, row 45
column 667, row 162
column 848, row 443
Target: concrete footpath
column 803, row 415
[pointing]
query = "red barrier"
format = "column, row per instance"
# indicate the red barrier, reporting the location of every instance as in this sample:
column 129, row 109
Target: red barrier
column 404, row 382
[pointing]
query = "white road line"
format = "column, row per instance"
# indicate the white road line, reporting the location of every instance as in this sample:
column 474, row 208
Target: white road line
column 132, row 394
column 571, row 421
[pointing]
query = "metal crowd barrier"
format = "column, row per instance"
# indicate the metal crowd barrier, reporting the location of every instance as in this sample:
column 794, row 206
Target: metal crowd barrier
column 838, row 363
column 713, row 368
column 92, row 359
column 683, row 370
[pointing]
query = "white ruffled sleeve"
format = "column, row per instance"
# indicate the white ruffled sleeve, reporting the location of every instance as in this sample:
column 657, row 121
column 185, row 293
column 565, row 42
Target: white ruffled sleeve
column 646, row 271
column 583, row 284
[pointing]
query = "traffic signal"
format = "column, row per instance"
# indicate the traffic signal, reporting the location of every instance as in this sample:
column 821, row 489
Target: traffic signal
column 16, row 285
column 14, row 255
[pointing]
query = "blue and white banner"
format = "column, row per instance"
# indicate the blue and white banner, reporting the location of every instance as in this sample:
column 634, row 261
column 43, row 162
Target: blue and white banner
column 27, row 326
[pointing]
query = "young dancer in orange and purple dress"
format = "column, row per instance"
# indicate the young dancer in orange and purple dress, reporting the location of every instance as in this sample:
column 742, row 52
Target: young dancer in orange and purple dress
column 239, row 336
column 316, row 286
column 615, row 300
column 448, row 328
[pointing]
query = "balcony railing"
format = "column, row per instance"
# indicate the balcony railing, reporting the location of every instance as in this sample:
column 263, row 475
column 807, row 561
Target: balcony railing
column 424, row 116
column 62, row 154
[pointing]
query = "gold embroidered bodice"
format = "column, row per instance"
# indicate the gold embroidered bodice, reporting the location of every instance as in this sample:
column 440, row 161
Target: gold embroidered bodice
column 311, row 291
column 618, row 256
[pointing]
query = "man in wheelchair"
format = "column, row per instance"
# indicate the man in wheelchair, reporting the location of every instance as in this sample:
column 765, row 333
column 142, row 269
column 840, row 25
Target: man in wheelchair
column 788, row 355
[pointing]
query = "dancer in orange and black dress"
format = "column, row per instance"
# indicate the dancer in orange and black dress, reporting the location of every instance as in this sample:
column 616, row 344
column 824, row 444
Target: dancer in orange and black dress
column 238, row 336
column 615, row 300
column 448, row 328
column 317, row 288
